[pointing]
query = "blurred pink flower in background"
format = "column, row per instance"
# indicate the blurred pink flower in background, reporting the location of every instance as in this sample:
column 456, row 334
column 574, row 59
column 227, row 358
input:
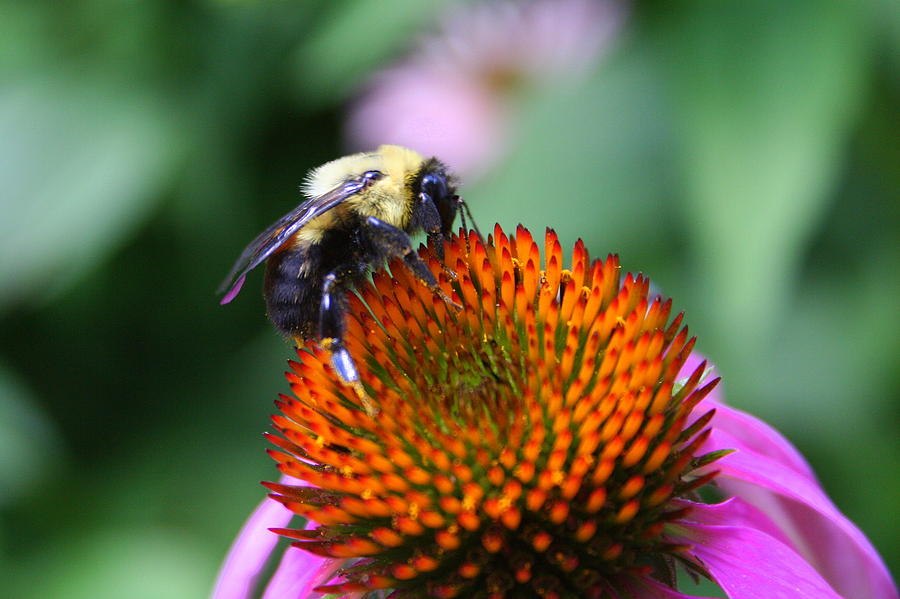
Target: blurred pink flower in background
column 453, row 97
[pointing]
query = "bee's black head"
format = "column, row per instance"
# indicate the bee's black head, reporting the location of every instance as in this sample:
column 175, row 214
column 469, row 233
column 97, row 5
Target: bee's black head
column 436, row 183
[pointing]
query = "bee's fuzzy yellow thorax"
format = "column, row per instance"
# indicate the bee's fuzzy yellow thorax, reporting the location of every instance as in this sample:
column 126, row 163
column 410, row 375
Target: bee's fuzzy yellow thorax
column 395, row 162
column 399, row 162
column 389, row 198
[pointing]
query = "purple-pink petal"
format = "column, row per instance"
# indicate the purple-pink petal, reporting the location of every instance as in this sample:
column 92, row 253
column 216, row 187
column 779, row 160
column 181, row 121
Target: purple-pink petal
column 299, row 573
column 251, row 550
column 748, row 563
column 693, row 362
column 767, row 472
column 734, row 511
column 756, row 436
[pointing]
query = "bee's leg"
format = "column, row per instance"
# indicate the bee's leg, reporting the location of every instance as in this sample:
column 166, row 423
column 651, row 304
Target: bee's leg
column 427, row 217
column 332, row 313
column 393, row 242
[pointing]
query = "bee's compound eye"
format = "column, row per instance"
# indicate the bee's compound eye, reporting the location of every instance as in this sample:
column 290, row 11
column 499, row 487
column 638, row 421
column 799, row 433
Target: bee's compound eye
column 435, row 186
column 370, row 176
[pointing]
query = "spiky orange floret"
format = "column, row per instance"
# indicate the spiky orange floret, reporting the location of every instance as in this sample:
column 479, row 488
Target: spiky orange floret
column 529, row 443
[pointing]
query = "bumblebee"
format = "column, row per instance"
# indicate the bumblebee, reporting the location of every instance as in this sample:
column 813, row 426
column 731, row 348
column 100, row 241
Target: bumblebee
column 359, row 212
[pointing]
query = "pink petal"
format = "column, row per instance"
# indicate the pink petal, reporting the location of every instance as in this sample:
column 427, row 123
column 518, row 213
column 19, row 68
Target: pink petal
column 251, row 549
column 767, row 472
column 733, row 512
column 692, row 363
column 748, row 563
column 757, row 437
column 754, row 433
column 299, row 573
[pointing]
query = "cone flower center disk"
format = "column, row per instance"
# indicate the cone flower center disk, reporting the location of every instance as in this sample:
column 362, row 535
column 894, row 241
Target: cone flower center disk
column 528, row 445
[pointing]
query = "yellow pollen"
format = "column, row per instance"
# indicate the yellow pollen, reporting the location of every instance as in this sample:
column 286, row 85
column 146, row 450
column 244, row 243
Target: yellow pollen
column 414, row 510
column 320, row 441
column 468, row 503
column 453, row 529
column 565, row 275
column 347, row 471
column 620, row 320
column 557, row 477
column 366, row 494
column 505, row 503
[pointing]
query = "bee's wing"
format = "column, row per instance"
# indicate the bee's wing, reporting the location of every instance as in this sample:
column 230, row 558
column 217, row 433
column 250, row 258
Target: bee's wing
column 267, row 242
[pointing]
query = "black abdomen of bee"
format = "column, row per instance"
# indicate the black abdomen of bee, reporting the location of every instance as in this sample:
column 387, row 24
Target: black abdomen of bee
column 293, row 292
column 295, row 278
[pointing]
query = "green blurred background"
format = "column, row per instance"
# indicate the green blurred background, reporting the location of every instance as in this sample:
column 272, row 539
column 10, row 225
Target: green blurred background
column 744, row 155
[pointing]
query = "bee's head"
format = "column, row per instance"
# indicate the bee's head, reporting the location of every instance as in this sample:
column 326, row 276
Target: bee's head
column 436, row 183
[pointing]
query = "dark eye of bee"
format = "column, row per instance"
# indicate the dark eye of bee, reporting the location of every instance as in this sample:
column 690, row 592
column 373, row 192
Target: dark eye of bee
column 435, row 186
column 371, row 176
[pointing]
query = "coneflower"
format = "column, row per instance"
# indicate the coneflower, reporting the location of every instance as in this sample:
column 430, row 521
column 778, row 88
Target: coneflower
column 554, row 439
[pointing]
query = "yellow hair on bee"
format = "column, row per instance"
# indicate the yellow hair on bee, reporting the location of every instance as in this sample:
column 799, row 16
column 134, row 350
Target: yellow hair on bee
column 388, row 199
column 394, row 161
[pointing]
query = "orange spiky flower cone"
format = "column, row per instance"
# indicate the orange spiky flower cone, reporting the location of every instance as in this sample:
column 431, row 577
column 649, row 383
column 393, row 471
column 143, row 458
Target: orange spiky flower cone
column 530, row 444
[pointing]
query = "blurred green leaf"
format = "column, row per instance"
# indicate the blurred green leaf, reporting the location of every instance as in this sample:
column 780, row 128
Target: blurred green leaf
column 825, row 372
column 81, row 166
column 831, row 389
column 580, row 162
column 28, row 441
column 113, row 563
column 331, row 64
column 766, row 92
column 699, row 588
column 20, row 39
column 887, row 19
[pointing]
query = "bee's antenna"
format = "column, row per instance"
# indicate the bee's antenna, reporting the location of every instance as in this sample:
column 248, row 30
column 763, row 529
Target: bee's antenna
column 462, row 216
